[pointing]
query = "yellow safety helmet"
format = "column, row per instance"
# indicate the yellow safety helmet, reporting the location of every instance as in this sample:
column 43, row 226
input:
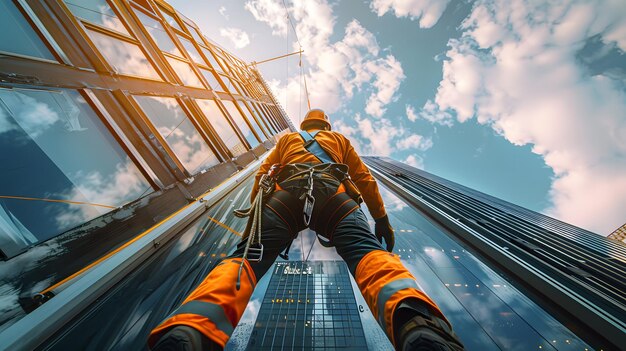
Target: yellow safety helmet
column 315, row 116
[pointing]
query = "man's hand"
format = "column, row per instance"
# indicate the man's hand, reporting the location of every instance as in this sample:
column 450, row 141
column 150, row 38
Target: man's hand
column 384, row 230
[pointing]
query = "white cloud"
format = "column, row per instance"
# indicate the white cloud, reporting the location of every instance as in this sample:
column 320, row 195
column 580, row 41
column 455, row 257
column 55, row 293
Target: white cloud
column 427, row 12
column 271, row 12
column 414, row 142
column 381, row 137
column 389, row 75
column 222, row 11
column 516, row 69
column 334, row 70
column 238, row 37
column 410, row 113
column 415, row 161
column 432, row 113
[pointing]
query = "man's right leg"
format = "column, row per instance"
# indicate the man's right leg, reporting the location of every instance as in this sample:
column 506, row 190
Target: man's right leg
column 407, row 315
column 210, row 313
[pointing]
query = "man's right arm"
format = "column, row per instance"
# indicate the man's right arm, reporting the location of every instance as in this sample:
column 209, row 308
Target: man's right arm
column 272, row 158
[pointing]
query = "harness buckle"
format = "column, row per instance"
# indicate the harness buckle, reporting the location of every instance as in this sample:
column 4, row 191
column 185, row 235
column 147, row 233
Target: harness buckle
column 309, row 203
column 255, row 252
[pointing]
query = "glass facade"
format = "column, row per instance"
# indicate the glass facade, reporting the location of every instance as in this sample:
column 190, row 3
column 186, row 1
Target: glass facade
column 125, row 57
column 180, row 134
column 64, row 167
column 222, row 127
column 507, row 278
column 24, row 40
column 308, row 306
column 98, row 12
column 158, row 33
column 241, row 124
column 150, row 143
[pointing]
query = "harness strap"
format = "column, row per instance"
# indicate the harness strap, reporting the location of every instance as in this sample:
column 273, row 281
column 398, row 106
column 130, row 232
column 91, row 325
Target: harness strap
column 334, row 211
column 312, row 146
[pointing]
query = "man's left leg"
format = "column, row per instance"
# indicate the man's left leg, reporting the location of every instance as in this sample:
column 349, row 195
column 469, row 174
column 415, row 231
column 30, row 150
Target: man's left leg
column 407, row 315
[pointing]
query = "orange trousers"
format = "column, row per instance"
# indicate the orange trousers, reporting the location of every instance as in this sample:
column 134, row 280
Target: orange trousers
column 215, row 306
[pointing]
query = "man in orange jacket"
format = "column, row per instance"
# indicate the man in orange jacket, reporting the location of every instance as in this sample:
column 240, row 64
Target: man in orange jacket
column 304, row 182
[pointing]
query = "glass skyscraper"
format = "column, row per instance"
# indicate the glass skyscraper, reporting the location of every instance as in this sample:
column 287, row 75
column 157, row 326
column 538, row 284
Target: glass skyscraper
column 308, row 306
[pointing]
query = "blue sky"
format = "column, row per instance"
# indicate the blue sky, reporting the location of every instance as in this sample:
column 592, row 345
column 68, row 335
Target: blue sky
column 523, row 100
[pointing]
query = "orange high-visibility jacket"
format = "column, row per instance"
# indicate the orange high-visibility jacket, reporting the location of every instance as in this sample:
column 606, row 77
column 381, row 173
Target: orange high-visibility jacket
column 290, row 149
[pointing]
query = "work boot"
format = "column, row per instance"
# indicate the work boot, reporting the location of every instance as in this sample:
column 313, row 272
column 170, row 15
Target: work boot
column 184, row 338
column 422, row 330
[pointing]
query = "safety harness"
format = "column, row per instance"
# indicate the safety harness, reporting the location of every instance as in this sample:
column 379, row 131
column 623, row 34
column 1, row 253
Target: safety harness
column 322, row 212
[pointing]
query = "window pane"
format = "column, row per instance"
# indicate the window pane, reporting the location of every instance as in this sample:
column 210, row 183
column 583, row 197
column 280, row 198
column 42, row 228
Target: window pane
column 212, row 63
column 178, row 131
column 241, row 123
column 98, row 12
column 215, row 85
column 125, row 57
column 158, row 33
column 255, row 125
column 195, row 55
column 185, row 72
column 57, row 148
column 229, row 84
column 196, row 35
column 23, row 39
column 170, row 20
column 222, row 127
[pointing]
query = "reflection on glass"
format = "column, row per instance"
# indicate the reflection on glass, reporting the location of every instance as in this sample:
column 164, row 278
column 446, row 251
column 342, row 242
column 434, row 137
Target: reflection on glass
column 229, row 84
column 480, row 302
column 185, row 72
column 211, row 58
column 23, row 39
column 211, row 79
column 195, row 34
column 178, row 131
column 55, row 147
column 195, row 55
column 98, row 12
column 125, row 57
column 170, row 20
column 241, row 123
column 222, row 127
column 257, row 128
column 158, row 33
column 266, row 117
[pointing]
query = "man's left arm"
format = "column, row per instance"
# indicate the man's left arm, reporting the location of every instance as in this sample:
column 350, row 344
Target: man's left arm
column 368, row 187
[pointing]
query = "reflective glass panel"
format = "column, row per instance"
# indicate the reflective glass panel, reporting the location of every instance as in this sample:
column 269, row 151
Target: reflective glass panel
column 196, row 35
column 185, row 72
column 53, row 146
column 211, row 79
column 222, row 127
column 211, row 58
column 98, row 12
column 170, row 20
column 158, row 33
column 23, row 39
column 258, row 129
column 178, row 131
column 229, row 84
column 195, row 55
column 241, row 123
column 125, row 57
